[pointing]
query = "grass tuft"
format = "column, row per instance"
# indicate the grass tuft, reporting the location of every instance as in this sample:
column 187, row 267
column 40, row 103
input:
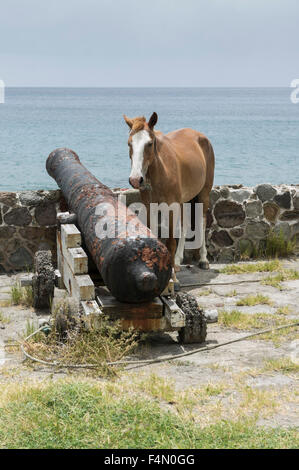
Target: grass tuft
column 205, row 292
column 283, row 310
column 284, row 365
column 251, row 300
column 4, row 319
column 158, row 388
column 22, row 295
column 274, row 246
column 283, row 275
column 261, row 266
column 277, row 246
column 96, row 341
column 232, row 293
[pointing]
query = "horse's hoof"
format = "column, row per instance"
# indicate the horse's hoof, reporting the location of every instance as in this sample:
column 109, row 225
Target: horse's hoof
column 177, row 286
column 203, row 265
column 177, row 268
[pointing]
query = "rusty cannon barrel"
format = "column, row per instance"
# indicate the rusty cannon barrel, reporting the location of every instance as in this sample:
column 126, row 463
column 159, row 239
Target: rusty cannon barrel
column 135, row 268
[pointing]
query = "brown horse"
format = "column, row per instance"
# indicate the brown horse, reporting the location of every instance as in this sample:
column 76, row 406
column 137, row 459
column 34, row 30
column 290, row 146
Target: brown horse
column 175, row 167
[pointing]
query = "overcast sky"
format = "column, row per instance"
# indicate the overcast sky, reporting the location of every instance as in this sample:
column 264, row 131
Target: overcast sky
column 149, row 43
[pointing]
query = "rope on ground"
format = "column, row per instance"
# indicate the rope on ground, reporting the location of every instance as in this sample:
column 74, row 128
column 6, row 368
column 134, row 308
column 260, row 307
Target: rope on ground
column 148, row 361
column 221, row 283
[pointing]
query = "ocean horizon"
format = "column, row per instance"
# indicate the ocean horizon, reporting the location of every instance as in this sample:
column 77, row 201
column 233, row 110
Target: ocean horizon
column 254, row 130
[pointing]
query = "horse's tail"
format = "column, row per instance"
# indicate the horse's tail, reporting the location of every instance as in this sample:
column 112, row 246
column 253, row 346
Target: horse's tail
column 210, row 160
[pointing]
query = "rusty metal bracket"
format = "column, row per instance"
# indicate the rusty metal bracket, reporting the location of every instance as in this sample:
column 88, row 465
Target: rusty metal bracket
column 175, row 317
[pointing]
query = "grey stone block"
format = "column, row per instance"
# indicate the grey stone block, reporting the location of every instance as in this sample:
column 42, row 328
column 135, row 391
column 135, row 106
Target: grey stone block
column 21, row 258
column 240, row 195
column 30, row 198
column 265, row 192
column 229, row 213
column 296, row 201
column 19, row 216
column 253, row 209
column 283, row 200
column 45, row 214
column 284, row 228
column 257, row 230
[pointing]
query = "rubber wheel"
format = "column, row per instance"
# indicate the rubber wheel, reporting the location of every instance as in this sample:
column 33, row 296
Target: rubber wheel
column 195, row 330
column 43, row 279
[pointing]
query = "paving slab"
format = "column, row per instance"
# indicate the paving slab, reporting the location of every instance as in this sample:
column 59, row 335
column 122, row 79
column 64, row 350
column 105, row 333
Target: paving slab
column 2, row 352
column 252, row 309
column 6, row 280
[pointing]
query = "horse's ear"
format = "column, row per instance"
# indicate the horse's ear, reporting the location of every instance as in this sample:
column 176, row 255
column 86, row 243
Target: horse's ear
column 128, row 121
column 153, row 120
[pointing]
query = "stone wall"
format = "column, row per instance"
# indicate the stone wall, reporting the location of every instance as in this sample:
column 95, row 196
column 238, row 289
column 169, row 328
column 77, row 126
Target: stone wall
column 27, row 224
column 239, row 220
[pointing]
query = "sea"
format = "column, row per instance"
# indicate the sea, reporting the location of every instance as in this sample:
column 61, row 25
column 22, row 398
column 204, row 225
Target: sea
column 254, row 131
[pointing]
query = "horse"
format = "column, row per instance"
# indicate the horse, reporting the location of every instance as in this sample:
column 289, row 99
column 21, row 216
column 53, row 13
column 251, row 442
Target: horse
column 175, row 167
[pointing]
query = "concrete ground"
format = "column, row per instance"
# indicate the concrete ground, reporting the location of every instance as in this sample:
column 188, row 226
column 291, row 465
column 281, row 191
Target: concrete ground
column 263, row 370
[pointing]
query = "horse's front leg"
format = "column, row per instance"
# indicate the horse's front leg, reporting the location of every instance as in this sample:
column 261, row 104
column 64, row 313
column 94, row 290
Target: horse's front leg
column 203, row 260
column 171, row 246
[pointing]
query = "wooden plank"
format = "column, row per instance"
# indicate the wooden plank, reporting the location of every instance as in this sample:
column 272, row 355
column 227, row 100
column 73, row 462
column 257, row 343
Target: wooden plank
column 77, row 259
column 143, row 317
column 147, row 310
column 83, row 287
column 90, row 307
column 70, row 236
column 144, row 324
column 59, row 256
column 78, row 286
column 76, row 256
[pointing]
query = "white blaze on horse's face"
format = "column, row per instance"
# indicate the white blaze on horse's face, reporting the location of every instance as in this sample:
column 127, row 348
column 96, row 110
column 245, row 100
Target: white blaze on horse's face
column 139, row 167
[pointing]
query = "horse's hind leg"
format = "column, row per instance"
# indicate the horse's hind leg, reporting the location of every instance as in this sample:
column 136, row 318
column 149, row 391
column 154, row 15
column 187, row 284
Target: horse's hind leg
column 203, row 197
column 179, row 254
column 172, row 247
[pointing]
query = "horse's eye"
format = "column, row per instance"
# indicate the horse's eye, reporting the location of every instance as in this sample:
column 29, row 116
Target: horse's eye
column 149, row 144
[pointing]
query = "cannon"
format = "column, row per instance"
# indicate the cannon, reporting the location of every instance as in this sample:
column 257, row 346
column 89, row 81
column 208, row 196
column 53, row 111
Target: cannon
column 136, row 268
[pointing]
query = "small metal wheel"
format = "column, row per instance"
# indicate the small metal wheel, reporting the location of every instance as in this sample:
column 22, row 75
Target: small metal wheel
column 195, row 330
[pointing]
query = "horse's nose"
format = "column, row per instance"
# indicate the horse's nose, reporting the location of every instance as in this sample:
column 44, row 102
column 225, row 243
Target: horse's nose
column 135, row 182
